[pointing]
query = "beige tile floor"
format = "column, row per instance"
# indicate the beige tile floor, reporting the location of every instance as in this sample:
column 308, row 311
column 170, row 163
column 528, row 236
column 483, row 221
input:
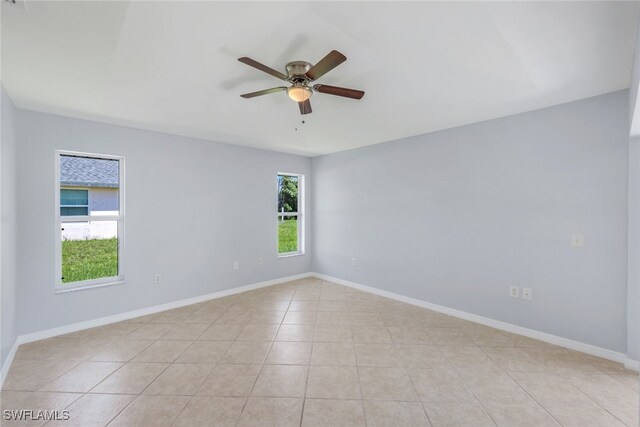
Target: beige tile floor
column 313, row 353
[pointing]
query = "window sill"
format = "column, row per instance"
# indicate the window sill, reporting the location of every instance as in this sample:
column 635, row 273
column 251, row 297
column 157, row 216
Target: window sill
column 93, row 286
column 290, row 254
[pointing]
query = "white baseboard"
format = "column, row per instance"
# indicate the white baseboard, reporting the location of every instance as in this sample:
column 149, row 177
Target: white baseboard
column 7, row 363
column 74, row 327
column 634, row 365
column 504, row 326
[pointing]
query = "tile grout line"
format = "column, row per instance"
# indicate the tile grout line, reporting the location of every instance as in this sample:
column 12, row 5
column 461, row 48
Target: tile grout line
column 89, row 391
column 395, row 346
column 469, row 389
column 306, row 385
column 261, row 365
column 530, row 395
column 147, row 386
column 540, row 404
column 573, row 385
column 152, row 381
column 353, row 344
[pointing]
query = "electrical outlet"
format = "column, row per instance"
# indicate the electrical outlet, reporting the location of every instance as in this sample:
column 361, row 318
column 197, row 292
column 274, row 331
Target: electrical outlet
column 236, row 265
column 157, row 278
column 261, row 260
column 514, row 292
column 354, row 261
column 527, row 294
column 577, row 240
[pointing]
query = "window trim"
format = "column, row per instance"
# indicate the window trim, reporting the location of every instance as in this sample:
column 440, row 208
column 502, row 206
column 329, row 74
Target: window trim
column 59, row 287
column 299, row 216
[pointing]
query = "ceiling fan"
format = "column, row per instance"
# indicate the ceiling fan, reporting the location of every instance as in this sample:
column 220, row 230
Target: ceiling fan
column 301, row 74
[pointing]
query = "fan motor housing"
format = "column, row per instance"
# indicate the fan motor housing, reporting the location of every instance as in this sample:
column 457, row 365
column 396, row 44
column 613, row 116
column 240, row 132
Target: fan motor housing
column 298, row 68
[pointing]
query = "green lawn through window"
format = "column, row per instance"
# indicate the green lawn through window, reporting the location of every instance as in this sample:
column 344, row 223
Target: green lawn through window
column 89, row 259
column 288, row 236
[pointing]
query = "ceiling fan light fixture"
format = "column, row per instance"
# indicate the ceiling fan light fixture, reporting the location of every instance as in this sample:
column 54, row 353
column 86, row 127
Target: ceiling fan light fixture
column 301, row 75
column 299, row 93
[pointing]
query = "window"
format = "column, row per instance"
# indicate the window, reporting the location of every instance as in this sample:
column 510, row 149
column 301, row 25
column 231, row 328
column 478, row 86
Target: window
column 74, row 202
column 90, row 220
column 290, row 214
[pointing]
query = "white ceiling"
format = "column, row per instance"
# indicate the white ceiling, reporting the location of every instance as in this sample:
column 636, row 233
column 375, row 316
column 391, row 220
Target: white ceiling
column 171, row 66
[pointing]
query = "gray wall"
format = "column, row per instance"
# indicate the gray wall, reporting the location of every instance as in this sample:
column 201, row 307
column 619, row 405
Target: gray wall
column 456, row 217
column 633, row 291
column 634, row 116
column 633, row 294
column 192, row 208
column 7, row 226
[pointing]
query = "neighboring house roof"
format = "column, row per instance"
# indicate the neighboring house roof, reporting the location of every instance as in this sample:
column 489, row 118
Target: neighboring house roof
column 88, row 172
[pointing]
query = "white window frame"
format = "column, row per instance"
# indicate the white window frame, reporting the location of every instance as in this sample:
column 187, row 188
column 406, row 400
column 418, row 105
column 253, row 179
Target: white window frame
column 59, row 287
column 299, row 215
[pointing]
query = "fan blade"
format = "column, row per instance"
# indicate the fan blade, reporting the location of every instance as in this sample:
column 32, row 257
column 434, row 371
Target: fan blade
column 263, row 92
column 305, row 107
column 255, row 64
column 326, row 64
column 339, row 91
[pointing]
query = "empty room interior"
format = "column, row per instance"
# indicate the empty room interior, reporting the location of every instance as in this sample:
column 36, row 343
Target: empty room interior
column 444, row 231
